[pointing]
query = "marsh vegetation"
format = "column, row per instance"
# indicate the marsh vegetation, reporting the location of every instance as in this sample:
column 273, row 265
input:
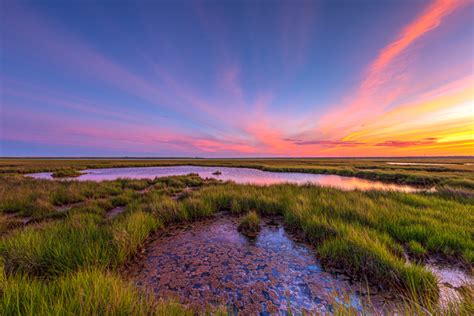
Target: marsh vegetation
column 66, row 173
column 249, row 224
column 60, row 252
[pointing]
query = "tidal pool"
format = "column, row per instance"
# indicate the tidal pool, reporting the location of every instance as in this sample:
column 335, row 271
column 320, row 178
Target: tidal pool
column 210, row 262
column 238, row 175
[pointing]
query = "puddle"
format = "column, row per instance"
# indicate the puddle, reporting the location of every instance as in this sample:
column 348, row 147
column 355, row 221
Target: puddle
column 450, row 282
column 67, row 207
column 25, row 220
column 115, row 211
column 209, row 262
column 238, row 175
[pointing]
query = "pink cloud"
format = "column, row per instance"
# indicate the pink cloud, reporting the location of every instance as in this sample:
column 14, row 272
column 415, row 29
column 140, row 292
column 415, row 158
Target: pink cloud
column 386, row 78
column 208, row 145
column 59, row 129
column 427, row 21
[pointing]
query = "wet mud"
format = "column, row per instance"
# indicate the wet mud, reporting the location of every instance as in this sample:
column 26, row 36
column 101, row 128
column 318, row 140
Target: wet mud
column 210, row 262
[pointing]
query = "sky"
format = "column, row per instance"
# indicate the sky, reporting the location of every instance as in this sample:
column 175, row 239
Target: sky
column 237, row 78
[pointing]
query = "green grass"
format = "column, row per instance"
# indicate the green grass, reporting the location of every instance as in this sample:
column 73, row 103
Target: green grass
column 40, row 198
column 66, row 173
column 82, row 240
column 249, row 224
column 63, row 267
column 363, row 256
column 47, row 267
column 163, row 207
column 416, row 248
column 89, row 292
column 124, row 198
column 129, row 233
column 60, row 247
column 362, row 233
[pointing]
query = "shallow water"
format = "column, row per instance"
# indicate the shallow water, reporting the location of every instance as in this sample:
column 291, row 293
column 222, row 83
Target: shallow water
column 211, row 262
column 238, row 175
column 450, row 282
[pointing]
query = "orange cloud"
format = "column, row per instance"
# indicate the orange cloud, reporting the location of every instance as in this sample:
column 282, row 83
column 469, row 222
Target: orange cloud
column 448, row 102
column 438, row 123
column 407, row 143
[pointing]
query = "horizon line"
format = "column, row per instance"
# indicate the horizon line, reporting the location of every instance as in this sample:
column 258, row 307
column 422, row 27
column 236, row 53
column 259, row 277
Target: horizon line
column 216, row 158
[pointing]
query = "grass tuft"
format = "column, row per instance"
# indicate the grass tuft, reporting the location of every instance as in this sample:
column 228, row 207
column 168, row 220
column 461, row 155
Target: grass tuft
column 66, row 173
column 249, row 224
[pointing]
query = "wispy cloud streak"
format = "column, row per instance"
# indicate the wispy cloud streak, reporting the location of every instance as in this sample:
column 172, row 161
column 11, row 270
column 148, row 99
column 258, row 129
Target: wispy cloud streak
column 384, row 80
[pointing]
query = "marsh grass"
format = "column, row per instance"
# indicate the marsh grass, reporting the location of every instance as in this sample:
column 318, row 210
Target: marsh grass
column 61, row 267
column 66, row 173
column 457, row 175
column 83, row 240
column 362, row 233
column 249, row 224
column 124, row 198
column 87, row 292
column 57, row 248
column 163, row 207
column 48, row 267
column 129, row 233
column 41, row 199
column 416, row 249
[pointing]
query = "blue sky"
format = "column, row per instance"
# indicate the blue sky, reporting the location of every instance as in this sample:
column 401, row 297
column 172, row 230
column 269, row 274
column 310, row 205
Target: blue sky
column 233, row 78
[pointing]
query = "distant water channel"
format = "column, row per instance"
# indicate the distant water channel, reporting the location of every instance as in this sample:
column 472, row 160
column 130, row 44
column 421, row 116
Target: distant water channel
column 238, row 175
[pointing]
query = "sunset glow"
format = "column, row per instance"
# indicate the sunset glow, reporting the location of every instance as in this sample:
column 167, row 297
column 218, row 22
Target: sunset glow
column 237, row 79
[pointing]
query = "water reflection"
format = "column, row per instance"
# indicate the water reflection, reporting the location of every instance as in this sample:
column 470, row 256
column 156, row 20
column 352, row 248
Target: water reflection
column 238, row 175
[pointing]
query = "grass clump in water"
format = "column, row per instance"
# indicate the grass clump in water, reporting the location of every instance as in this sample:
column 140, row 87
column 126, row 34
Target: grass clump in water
column 249, row 224
column 66, row 173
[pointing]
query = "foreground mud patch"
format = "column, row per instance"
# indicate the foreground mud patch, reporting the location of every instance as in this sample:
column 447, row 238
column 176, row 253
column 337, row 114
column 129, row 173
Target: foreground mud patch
column 210, row 262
